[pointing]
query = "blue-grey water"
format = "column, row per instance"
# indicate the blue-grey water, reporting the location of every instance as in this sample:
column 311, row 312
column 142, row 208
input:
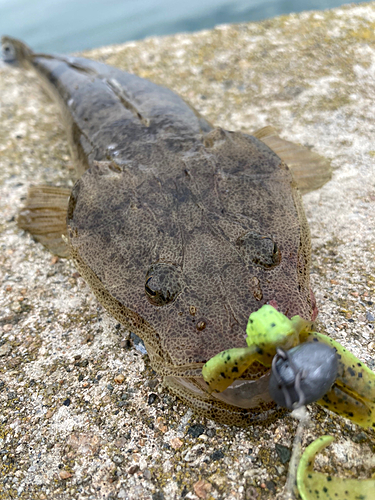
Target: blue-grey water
column 72, row 25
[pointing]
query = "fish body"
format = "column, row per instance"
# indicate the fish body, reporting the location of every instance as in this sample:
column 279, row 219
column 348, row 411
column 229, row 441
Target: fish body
column 180, row 229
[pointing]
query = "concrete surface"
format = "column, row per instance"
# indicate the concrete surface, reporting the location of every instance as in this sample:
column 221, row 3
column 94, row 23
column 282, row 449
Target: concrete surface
column 82, row 414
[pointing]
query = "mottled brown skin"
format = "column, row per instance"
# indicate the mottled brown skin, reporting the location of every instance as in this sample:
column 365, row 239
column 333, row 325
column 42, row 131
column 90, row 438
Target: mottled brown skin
column 181, row 230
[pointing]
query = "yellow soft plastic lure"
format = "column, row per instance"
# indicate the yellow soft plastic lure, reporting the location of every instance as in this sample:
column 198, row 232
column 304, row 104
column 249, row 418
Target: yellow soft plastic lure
column 317, row 486
column 353, row 393
column 266, row 330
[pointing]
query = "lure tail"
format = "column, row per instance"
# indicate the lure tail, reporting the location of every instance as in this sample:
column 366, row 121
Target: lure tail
column 353, row 393
column 15, row 52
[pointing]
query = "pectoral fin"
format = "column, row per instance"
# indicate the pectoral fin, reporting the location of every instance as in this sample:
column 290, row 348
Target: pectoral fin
column 316, row 485
column 310, row 170
column 353, row 394
column 44, row 217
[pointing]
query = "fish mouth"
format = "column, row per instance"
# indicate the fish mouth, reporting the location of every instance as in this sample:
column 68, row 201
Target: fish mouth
column 314, row 307
column 241, row 393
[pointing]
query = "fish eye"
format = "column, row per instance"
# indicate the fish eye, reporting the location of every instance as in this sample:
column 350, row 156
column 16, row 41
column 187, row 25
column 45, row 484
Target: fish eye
column 303, row 374
column 149, row 290
column 8, row 52
column 163, row 283
column 259, row 249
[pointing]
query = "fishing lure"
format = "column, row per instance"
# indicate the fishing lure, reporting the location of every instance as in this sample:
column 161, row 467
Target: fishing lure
column 314, row 485
column 309, row 367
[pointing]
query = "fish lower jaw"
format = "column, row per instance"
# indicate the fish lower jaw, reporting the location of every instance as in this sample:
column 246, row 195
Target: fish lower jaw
column 246, row 394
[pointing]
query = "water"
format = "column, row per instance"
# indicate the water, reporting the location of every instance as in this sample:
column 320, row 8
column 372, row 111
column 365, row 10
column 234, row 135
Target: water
column 72, row 25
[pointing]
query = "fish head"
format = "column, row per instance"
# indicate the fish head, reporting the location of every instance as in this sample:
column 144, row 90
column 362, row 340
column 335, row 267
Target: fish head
column 188, row 246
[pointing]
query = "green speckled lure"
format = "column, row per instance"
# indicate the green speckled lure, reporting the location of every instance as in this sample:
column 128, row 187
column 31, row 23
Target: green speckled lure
column 353, row 393
column 266, row 330
column 316, row 485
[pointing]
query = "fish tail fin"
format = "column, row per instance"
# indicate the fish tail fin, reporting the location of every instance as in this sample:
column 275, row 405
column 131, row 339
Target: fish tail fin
column 15, row 52
column 44, row 217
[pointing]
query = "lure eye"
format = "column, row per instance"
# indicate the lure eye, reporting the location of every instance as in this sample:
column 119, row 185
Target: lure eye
column 163, row 283
column 303, row 374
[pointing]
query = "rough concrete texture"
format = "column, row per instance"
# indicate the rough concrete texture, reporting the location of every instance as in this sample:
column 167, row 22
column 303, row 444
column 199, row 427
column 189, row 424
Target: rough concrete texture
column 82, row 413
